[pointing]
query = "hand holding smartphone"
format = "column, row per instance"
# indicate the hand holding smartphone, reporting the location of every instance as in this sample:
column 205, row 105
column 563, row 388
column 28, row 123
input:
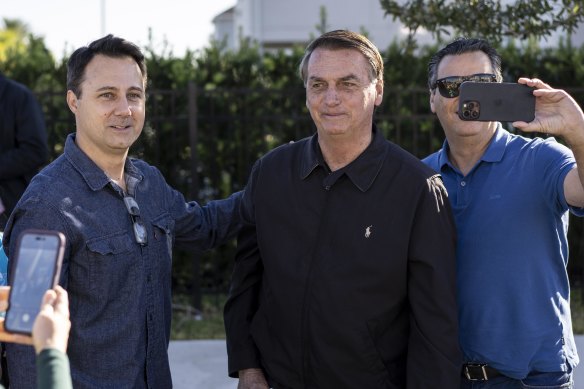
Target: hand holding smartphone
column 500, row 102
column 36, row 268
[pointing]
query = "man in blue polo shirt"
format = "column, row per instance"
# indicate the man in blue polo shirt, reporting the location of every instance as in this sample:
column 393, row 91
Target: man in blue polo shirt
column 510, row 197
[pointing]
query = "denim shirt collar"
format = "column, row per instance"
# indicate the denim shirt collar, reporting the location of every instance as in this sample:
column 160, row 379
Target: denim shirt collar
column 362, row 171
column 95, row 177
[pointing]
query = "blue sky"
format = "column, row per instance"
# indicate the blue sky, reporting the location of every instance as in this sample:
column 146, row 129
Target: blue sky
column 68, row 24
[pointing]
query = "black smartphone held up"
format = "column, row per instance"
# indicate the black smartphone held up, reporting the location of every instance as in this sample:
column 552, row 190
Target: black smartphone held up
column 36, row 268
column 496, row 102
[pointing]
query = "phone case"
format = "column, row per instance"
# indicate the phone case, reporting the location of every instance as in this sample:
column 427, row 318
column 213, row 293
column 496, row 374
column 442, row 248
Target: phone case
column 43, row 274
column 502, row 102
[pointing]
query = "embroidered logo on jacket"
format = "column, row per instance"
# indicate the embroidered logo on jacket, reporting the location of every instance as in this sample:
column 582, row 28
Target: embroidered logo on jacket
column 368, row 231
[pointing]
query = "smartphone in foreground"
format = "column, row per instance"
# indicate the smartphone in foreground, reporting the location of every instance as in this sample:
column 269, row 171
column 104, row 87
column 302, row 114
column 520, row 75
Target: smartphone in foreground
column 36, row 268
column 496, row 102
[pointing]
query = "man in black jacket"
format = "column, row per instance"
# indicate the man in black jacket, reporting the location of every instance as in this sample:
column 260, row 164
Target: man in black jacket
column 345, row 270
column 23, row 143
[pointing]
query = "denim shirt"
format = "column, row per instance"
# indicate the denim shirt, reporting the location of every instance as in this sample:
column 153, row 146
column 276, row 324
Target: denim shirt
column 119, row 290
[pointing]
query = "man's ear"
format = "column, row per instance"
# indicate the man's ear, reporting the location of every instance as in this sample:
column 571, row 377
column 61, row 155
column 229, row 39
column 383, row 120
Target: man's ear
column 72, row 101
column 379, row 90
column 432, row 96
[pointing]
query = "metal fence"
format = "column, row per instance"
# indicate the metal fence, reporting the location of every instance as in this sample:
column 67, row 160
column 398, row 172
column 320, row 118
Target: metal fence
column 205, row 142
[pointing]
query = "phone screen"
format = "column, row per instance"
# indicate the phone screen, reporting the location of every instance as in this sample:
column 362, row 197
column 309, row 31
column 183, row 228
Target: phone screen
column 37, row 262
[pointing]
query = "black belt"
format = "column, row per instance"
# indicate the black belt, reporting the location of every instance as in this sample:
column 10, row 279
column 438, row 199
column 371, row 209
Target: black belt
column 479, row 372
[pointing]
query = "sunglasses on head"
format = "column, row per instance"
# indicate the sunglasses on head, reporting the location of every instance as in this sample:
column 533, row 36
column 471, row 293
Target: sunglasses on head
column 449, row 86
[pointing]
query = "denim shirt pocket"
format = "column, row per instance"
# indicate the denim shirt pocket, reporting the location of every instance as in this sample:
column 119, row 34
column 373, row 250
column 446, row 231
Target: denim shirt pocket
column 162, row 227
column 110, row 258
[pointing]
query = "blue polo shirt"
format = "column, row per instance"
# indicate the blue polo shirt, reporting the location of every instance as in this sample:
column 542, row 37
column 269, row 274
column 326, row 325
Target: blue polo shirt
column 512, row 251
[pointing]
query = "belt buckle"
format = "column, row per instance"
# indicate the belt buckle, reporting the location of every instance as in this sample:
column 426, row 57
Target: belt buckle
column 478, row 368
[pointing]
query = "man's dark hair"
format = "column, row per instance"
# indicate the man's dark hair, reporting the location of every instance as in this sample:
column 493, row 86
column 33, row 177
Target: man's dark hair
column 344, row 39
column 110, row 46
column 461, row 46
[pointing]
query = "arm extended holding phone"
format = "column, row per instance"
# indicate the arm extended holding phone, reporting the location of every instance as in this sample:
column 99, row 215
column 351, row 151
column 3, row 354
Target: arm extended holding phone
column 532, row 106
column 558, row 114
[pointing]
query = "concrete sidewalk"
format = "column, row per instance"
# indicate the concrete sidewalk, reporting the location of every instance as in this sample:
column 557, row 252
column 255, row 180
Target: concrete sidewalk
column 202, row 364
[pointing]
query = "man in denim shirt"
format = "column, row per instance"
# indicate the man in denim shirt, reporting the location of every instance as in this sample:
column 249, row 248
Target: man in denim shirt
column 121, row 221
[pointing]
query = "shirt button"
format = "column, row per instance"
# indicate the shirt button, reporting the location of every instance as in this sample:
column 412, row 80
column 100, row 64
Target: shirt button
column 149, row 278
column 463, row 183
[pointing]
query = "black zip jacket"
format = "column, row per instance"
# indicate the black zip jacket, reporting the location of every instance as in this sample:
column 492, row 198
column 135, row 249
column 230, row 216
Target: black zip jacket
column 23, row 142
column 345, row 279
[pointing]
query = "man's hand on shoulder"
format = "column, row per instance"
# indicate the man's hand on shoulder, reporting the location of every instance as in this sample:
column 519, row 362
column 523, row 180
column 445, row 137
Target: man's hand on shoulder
column 252, row 379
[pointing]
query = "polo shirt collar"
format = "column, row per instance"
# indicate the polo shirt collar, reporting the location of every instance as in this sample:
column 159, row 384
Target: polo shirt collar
column 494, row 152
column 362, row 171
column 91, row 173
column 496, row 149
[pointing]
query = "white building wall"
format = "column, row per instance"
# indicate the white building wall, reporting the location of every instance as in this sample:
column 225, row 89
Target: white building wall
column 289, row 21
column 243, row 20
column 280, row 22
column 224, row 28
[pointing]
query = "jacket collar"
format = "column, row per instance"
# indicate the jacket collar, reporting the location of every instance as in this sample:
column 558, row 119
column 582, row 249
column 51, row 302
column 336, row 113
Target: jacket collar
column 362, row 171
column 3, row 83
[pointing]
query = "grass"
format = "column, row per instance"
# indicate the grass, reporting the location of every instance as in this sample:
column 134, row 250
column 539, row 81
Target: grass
column 577, row 308
column 188, row 323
